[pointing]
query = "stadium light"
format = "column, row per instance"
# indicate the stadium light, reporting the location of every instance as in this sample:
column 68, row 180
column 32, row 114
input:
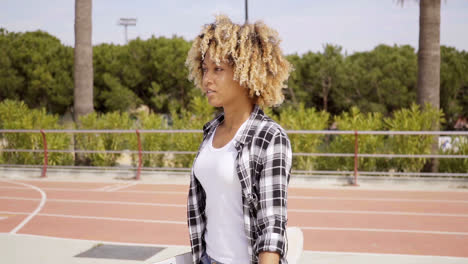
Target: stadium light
column 127, row 22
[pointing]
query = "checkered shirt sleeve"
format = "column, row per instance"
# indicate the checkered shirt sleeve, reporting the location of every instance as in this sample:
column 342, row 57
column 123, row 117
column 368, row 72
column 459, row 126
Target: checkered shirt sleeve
column 273, row 190
column 196, row 217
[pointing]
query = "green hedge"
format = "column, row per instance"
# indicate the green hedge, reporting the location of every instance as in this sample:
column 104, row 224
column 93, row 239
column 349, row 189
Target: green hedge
column 354, row 120
column 412, row 119
column 105, row 141
column 302, row 118
column 195, row 117
column 15, row 115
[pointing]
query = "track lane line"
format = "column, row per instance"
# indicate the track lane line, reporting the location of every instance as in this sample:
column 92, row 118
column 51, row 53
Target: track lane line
column 96, row 202
column 111, row 187
column 384, row 230
column 291, row 186
column 104, row 218
column 35, row 212
column 289, row 210
column 375, row 199
column 101, row 189
column 372, row 212
column 301, row 227
column 122, row 187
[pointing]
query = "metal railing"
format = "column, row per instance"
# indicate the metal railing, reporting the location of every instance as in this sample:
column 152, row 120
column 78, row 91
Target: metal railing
column 140, row 151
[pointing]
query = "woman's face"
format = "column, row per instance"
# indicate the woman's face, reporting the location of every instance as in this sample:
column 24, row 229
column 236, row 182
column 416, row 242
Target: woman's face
column 219, row 84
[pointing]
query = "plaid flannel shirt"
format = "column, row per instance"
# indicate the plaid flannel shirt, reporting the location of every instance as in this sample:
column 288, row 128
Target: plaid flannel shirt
column 263, row 167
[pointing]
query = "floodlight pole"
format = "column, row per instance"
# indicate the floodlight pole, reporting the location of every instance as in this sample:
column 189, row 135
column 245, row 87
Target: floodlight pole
column 246, row 11
column 125, row 22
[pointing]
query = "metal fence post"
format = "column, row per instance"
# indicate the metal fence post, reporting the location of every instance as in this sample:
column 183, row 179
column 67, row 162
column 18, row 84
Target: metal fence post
column 46, row 158
column 139, row 155
column 356, row 150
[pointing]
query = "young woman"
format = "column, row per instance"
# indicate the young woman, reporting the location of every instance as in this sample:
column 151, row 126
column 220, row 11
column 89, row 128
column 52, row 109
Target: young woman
column 237, row 204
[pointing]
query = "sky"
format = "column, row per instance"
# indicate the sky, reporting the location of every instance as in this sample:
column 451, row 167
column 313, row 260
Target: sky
column 303, row 25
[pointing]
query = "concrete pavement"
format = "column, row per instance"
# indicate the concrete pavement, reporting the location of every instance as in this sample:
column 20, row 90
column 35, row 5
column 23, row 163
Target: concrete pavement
column 32, row 249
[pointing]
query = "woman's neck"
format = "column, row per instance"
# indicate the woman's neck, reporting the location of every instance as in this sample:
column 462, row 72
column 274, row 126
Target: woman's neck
column 234, row 117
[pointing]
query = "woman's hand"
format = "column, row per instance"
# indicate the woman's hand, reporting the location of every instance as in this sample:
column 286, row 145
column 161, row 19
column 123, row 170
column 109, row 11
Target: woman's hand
column 268, row 258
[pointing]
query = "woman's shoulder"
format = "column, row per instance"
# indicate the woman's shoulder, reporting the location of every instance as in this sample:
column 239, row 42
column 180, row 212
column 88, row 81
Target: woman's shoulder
column 210, row 125
column 270, row 137
column 268, row 128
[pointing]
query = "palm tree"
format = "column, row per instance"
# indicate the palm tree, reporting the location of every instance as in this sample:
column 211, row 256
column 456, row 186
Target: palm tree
column 428, row 84
column 83, row 62
column 83, row 66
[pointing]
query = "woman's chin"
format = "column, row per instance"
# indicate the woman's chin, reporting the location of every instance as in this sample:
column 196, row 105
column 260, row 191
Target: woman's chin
column 214, row 103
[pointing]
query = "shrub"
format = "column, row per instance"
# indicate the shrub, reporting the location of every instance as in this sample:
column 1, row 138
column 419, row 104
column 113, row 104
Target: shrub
column 354, row 120
column 153, row 141
column 198, row 114
column 301, row 118
column 105, row 141
column 412, row 119
column 16, row 115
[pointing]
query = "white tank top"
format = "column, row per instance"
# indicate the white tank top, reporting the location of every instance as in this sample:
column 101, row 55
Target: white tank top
column 225, row 237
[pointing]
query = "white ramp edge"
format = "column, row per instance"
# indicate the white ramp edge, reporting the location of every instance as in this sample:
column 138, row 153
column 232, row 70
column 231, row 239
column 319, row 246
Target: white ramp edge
column 295, row 248
column 185, row 258
column 295, row 244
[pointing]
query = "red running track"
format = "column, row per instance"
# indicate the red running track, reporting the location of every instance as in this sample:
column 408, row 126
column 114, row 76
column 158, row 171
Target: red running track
column 339, row 220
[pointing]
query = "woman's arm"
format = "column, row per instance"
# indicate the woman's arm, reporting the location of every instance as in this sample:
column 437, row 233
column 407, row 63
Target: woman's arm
column 273, row 190
column 268, row 258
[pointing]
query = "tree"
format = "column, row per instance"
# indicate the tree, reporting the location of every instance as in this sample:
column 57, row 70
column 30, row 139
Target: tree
column 150, row 72
column 317, row 78
column 83, row 61
column 37, row 69
column 113, row 75
column 453, row 69
column 330, row 73
column 381, row 80
column 83, row 67
column 300, row 82
column 11, row 81
column 169, row 87
column 428, row 86
column 464, row 91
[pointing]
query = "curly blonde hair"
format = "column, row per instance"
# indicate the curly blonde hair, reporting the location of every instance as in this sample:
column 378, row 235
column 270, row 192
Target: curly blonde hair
column 253, row 51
